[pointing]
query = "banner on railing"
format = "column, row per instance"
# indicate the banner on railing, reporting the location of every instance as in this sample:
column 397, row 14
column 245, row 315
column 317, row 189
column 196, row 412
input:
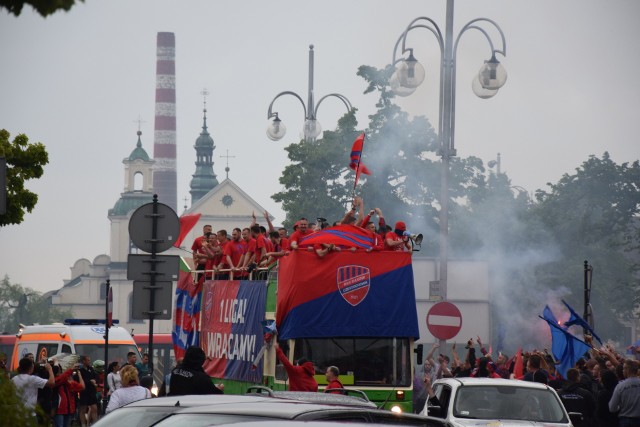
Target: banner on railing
column 231, row 335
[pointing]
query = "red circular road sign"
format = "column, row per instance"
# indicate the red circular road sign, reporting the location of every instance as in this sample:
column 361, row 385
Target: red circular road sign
column 444, row 320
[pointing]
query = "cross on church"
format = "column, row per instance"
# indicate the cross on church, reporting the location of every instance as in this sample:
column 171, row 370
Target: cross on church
column 227, row 168
column 139, row 121
column 204, row 94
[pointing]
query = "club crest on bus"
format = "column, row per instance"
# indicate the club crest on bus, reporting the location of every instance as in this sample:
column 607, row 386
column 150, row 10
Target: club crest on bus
column 354, row 282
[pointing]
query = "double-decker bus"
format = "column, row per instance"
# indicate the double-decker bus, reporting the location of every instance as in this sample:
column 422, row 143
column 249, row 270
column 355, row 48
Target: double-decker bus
column 356, row 311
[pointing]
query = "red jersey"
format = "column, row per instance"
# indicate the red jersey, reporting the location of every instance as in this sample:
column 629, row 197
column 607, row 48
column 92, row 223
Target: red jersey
column 251, row 247
column 297, row 236
column 221, row 259
column 391, row 235
column 234, row 250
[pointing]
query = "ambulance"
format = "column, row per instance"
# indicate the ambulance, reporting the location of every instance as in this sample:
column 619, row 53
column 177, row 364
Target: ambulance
column 77, row 336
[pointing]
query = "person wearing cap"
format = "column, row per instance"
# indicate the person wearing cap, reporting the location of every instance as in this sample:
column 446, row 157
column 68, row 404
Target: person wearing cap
column 302, row 231
column 396, row 240
column 190, row 378
column 300, row 375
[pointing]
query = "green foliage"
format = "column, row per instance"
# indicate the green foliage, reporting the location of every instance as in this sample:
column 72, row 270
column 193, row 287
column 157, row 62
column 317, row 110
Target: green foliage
column 535, row 247
column 12, row 410
column 24, row 161
column 26, row 306
column 43, row 7
column 594, row 214
column 314, row 181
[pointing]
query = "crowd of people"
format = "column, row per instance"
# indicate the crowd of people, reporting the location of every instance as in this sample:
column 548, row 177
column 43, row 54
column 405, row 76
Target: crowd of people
column 221, row 254
column 58, row 394
column 603, row 386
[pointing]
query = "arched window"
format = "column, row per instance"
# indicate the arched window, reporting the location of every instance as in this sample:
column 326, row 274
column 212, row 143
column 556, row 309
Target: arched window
column 131, row 319
column 138, row 180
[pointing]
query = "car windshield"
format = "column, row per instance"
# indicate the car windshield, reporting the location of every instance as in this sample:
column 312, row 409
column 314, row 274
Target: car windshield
column 508, row 403
column 135, row 416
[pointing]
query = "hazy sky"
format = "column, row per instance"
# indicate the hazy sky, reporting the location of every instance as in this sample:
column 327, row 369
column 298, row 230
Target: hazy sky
column 78, row 82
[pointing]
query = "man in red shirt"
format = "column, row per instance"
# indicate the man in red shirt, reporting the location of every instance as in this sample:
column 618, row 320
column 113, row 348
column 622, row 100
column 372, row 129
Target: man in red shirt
column 396, row 240
column 280, row 248
column 333, row 382
column 301, row 375
column 220, row 260
column 234, row 250
column 301, row 231
column 196, row 248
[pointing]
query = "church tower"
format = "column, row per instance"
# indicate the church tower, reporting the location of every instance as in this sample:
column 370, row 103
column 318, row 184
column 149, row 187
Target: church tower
column 138, row 191
column 204, row 179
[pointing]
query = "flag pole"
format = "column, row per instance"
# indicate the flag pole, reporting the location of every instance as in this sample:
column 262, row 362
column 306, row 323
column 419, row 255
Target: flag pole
column 355, row 181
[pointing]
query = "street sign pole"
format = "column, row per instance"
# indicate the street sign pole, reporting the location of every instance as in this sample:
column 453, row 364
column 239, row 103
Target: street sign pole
column 107, row 324
column 165, row 228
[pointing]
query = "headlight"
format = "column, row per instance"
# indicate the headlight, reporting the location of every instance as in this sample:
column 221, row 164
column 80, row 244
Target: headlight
column 397, row 409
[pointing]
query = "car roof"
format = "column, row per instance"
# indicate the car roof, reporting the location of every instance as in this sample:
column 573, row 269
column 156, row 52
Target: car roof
column 323, row 398
column 292, row 410
column 269, row 408
column 469, row 381
column 198, row 400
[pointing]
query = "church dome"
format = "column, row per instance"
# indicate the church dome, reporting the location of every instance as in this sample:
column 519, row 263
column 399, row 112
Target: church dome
column 139, row 153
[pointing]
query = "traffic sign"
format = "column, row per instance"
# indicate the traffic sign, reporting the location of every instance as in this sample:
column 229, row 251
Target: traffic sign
column 164, row 267
column 141, row 227
column 140, row 301
column 444, row 320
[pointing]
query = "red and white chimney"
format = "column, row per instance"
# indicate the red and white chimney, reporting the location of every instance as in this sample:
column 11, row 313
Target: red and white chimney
column 164, row 138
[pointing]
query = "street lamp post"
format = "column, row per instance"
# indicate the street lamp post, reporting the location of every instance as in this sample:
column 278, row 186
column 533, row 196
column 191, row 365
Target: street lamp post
column 312, row 129
column 409, row 74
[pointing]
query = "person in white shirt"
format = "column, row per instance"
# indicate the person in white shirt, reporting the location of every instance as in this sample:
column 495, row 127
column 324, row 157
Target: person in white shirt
column 114, row 381
column 28, row 385
column 130, row 391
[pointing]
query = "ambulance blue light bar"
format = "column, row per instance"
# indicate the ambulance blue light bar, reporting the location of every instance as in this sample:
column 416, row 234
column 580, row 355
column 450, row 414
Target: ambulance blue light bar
column 75, row 322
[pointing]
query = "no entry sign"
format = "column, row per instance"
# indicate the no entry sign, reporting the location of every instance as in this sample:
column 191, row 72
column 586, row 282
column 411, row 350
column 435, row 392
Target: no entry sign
column 444, row 320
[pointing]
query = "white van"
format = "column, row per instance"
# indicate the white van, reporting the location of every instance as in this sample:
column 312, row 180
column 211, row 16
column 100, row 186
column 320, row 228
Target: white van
column 77, row 336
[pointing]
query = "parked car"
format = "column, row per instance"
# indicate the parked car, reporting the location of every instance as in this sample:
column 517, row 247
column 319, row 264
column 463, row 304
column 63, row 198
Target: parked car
column 289, row 410
column 147, row 412
column 197, row 411
column 469, row 401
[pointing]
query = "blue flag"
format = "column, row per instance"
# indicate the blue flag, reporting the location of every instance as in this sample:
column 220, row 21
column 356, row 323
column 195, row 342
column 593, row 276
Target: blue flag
column 577, row 320
column 566, row 348
column 547, row 314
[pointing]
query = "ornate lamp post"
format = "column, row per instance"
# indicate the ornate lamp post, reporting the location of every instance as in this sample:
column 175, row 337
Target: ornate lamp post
column 312, row 129
column 409, row 74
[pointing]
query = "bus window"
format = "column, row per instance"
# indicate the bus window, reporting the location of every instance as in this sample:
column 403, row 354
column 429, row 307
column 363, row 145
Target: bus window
column 66, row 348
column 373, row 361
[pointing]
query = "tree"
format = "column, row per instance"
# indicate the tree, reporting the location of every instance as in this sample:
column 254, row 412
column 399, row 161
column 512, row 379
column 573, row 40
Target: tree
column 43, row 7
column 24, row 305
column 315, row 181
column 405, row 180
column 594, row 216
column 24, row 161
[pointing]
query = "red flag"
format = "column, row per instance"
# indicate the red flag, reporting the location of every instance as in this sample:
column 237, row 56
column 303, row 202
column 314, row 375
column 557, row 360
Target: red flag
column 187, row 222
column 518, row 368
column 356, row 156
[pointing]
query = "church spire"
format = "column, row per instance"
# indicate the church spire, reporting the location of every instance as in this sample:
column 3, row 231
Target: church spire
column 204, row 179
